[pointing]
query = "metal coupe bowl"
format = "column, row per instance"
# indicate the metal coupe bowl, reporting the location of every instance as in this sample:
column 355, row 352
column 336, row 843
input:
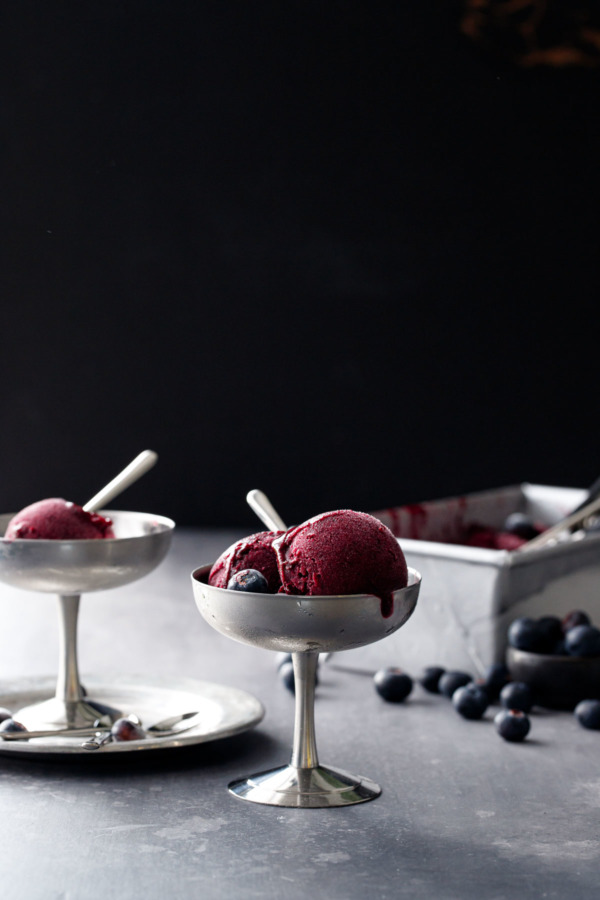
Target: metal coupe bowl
column 79, row 566
column 293, row 624
column 557, row 682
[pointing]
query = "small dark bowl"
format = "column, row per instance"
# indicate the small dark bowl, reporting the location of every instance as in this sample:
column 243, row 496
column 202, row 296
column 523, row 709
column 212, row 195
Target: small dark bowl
column 557, row 682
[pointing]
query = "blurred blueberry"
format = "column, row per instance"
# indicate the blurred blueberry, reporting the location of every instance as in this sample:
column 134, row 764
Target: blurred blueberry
column 574, row 618
column 532, row 635
column 452, row 680
column 550, row 632
column 471, row 701
column 517, row 695
column 286, row 673
column 521, row 525
column 496, row 676
column 430, row 679
column 393, row 684
column 5, row 714
column 587, row 713
column 512, row 724
column 522, row 634
column 583, row 640
column 11, row 725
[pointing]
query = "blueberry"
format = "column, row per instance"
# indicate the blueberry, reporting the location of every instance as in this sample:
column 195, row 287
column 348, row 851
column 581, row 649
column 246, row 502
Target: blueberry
column 550, row 632
column 430, row 679
column 393, row 685
column 512, row 724
column 521, row 525
column 526, row 633
column 560, row 648
column 471, row 701
column 574, row 618
column 126, row 730
column 517, row 696
column 452, row 680
column 583, row 640
column 11, row 725
column 496, row 676
column 286, row 673
column 249, row 580
column 587, row 713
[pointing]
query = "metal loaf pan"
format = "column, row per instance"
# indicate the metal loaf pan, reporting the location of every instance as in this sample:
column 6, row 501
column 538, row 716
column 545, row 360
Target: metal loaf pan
column 469, row 595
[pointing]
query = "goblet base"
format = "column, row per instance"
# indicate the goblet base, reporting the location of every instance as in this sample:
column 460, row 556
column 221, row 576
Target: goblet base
column 57, row 714
column 316, row 787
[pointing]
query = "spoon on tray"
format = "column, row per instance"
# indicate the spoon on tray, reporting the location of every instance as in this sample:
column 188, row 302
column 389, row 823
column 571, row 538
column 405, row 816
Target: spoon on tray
column 164, row 728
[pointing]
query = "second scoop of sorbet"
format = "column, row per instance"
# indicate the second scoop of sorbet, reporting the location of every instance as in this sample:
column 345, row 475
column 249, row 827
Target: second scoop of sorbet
column 252, row 552
column 341, row 552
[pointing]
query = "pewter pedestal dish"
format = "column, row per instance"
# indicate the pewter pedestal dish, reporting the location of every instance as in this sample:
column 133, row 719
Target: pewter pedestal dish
column 304, row 627
column 69, row 569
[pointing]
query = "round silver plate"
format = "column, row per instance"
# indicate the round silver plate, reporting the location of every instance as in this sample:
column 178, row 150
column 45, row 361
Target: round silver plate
column 224, row 711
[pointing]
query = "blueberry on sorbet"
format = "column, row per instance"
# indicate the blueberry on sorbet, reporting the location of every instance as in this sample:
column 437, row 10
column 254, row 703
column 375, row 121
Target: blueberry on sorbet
column 512, row 724
column 393, row 684
column 249, row 580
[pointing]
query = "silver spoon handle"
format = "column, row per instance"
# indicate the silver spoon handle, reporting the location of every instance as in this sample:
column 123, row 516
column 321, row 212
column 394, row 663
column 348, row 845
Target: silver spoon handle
column 136, row 468
column 551, row 533
column 62, row 732
column 264, row 509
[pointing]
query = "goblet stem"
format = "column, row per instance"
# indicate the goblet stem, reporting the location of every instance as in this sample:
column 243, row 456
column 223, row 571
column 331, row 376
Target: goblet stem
column 304, row 751
column 68, row 686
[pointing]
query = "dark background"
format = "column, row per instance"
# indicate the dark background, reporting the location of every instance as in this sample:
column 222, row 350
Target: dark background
column 334, row 250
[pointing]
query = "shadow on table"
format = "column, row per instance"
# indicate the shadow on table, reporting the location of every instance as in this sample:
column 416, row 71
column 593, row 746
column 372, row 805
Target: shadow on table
column 251, row 748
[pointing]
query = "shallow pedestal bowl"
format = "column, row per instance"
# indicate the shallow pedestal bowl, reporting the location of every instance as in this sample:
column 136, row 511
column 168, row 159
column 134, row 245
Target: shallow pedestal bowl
column 69, row 569
column 304, row 627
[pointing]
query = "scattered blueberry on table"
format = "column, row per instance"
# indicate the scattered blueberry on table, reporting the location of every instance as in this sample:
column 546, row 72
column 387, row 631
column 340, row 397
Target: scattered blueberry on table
column 393, row 684
column 430, row 678
column 516, row 695
column 512, row 724
column 470, row 700
column 452, row 680
column 496, row 676
column 286, row 673
column 587, row 713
